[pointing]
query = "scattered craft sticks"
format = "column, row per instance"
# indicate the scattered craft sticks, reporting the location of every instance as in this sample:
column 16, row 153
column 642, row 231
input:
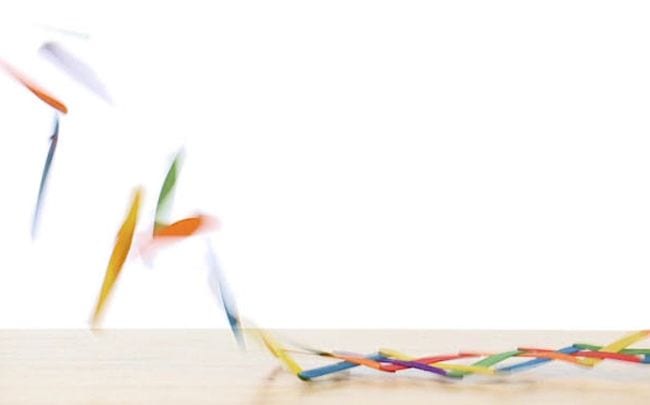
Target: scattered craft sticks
column 44, row 176
column 387, row 360
column 34, row 88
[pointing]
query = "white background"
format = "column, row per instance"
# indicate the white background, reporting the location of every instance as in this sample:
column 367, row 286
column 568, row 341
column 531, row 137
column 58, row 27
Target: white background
column 462, row 164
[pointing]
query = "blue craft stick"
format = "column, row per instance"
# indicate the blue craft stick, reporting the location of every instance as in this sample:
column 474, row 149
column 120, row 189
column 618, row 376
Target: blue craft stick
column 220, row 288
column 334, row 368
column 46, row 171
column 534, row 362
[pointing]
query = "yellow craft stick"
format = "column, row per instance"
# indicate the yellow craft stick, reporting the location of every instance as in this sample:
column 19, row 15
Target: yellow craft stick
column 118, row 257
column 620, row 344
column 278, row 351
column 444, row 366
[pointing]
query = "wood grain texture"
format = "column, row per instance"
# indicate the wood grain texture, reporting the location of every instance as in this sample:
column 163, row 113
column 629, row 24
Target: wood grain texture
column 206, row 367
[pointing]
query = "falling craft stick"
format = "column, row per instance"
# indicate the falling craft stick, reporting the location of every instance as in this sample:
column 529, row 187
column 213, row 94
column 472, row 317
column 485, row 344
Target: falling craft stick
column 72, row 33
column 44, row 176
column 118, row 257
column 186, row 227
column 278, row 351
column 75, row 68
column 221, row 290
column 167, row 192
column 35, row 89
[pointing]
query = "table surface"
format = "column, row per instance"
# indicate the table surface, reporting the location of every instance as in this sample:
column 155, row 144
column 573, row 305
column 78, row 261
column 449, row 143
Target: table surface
column 206, row 366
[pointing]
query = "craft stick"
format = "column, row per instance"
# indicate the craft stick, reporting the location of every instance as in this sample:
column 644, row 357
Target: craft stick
column 611, row 356
column 167, row 192
column 430, row 360
column 488, row 362
column 186, row 227
column 333, row 368
column 220, row 289
column 35, row 89
column 278, row 351
column 75, row 68
column 535, row 362
column 77, row 34
column 550, row 354
column 413, row 364
column 118, row 257
column 361, row 360
column 44, row 176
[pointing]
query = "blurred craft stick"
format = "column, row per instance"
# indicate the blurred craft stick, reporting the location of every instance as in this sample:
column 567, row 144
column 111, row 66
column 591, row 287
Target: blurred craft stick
column 118, row 257
column 167, row 192
column 279, row 351
column 46, row 170
column 36, row 90
column 186, row 227
column 73, row 33
column 74, row 67
column 220, row 289
column 181, row 229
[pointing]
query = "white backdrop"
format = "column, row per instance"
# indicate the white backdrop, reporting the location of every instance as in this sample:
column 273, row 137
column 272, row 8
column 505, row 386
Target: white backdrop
column 461, row 164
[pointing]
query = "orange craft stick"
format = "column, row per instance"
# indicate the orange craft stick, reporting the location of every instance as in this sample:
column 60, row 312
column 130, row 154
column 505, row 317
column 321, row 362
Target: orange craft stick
column 362, row 361
column 554, row 355
column 185, row 227
column 38, row 91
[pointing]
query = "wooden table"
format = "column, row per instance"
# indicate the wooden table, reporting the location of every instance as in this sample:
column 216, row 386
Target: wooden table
column 206, row 366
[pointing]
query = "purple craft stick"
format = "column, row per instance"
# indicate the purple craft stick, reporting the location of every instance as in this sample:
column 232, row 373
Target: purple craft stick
column 75, row 68
column 415, row 364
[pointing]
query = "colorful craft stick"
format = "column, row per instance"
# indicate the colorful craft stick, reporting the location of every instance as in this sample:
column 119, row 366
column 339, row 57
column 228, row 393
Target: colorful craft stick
column 278, row 351
column 487, row 362
column 44, row 176
column 186, row 227
column 429, row 360
column 167, row 192
column 359, row 359
column 118, row 257
column 77, row 34
column 35, row 89
column 307, row 375
column 535, row 362
column 220, row 289
column 75, row 68
column 553, row 355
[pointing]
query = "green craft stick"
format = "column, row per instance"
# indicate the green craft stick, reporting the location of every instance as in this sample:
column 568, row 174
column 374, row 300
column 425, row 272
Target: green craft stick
column 167, row 192
column 487, row 362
